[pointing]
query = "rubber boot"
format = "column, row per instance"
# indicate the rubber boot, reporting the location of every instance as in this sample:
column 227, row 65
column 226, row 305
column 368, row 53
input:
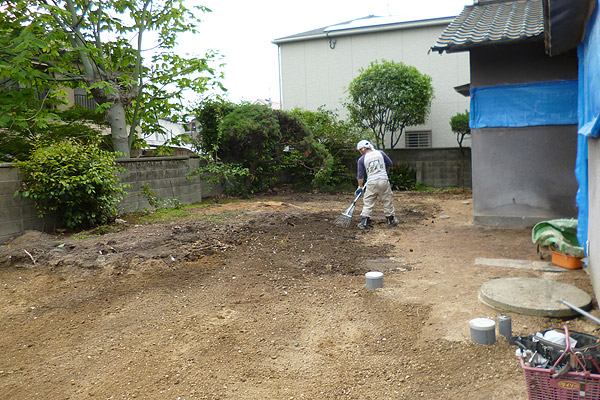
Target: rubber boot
column 391, row 221
column 363, row 223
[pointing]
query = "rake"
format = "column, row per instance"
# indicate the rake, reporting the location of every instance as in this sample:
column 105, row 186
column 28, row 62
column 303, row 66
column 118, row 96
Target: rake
column 346, row 217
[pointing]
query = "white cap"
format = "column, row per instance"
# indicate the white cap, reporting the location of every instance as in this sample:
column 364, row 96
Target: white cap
column 364, row 144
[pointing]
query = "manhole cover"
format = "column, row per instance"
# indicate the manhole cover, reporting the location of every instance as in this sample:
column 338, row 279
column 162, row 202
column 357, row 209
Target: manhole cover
column 533, row 296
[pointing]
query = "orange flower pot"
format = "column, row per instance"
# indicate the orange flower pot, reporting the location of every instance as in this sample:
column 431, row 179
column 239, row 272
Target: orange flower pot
column 565, row 261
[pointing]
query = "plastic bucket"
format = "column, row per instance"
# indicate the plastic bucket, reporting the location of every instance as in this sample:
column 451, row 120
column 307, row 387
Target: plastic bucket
column 483, row 331
column 374, row 280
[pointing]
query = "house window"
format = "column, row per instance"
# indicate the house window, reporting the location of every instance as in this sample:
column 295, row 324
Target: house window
column 417, row 139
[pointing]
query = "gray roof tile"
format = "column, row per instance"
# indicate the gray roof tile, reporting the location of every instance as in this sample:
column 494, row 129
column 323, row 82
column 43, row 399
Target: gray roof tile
column 493, row 22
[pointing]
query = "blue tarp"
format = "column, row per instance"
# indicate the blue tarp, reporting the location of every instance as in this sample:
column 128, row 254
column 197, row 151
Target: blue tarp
column 588, row 54
column 531, row 104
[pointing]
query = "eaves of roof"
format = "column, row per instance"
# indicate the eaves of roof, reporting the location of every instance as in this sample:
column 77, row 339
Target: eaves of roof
column 565, row 22
column 368, row 24
column 493, row 22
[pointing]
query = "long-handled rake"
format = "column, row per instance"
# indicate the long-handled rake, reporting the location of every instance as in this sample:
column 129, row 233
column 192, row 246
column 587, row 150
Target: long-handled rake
column 346, row 217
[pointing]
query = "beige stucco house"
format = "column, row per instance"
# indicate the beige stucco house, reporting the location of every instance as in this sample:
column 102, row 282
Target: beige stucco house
column 317, row 66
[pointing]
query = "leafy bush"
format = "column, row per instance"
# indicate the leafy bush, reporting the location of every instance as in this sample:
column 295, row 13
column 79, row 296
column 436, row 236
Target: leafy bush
column 209, row 116
column 305, row 160
column 338, row 138
column 76, row 182
column 402, row 177
column 249, row 136
column 215, row 171
column 255, row 147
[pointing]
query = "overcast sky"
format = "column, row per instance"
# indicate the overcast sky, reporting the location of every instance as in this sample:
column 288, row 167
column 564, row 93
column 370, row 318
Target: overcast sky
column 242, row 31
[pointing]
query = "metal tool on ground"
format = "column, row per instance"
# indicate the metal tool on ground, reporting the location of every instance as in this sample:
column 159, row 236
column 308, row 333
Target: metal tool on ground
column 569, row 373
column 346, row 217
column 580, row 311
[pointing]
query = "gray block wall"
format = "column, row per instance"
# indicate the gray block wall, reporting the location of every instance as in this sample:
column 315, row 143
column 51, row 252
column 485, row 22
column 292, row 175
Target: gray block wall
column 165, row 176
column 437, row 167
column 16, row 215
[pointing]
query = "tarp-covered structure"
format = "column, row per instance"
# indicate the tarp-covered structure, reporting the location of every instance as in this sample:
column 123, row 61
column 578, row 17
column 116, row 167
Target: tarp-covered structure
column 588, row 53
column 523, row 112
column 568, row 26
column 573, row 24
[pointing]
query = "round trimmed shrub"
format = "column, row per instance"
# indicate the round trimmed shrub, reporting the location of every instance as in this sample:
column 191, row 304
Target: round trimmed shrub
column 76, row 182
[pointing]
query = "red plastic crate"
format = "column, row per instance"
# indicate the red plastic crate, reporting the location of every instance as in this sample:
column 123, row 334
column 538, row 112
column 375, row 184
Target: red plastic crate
column 571, row 386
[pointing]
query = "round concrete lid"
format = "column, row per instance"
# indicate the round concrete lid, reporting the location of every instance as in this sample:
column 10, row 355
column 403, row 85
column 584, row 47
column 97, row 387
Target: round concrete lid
column 533, row 296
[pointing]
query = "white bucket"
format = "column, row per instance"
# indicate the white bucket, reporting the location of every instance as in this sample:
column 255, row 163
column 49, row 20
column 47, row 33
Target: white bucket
column 483, row 331
column 374, row 280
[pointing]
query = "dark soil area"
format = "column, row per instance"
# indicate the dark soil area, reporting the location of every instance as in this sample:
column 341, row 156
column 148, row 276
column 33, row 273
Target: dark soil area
column 265, row 299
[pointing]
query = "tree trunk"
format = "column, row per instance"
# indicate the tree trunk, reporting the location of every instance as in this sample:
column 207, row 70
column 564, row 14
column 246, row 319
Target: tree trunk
column 118, row 128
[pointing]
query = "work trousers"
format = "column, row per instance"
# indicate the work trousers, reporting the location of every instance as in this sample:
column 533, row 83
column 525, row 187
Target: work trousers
column 381, row 188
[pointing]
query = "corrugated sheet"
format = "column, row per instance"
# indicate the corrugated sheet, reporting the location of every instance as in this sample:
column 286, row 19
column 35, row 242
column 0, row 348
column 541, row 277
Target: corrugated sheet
column 493, row 22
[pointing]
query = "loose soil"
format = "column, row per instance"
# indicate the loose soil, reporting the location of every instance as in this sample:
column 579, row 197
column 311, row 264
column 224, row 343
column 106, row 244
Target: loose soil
column 265, row 299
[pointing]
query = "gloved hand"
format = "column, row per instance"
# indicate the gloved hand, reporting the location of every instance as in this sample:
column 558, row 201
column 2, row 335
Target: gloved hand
column 359, row 191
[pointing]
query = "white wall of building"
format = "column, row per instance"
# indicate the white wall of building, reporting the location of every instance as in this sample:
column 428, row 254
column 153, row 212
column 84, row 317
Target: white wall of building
column 313, row 74
column 170, row 130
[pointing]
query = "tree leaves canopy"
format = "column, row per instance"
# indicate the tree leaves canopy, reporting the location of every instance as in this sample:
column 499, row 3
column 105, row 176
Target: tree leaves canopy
column 389, row 96
column 99, row 45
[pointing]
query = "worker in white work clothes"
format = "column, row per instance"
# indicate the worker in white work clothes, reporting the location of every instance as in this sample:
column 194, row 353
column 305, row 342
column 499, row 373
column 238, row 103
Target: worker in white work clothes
column 374, row 164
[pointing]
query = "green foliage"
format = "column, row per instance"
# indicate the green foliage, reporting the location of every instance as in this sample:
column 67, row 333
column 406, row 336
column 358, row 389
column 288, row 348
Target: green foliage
column 387, row 97
column 29, row 93
column 76, row 182
column 336, row 140
column 215, row 171
column 402, row 177
column 254, row 147
column 338, row 136
column 50, row 46
column 249, row 136
column 75, row 122
column 460, row 126
column 209, row 115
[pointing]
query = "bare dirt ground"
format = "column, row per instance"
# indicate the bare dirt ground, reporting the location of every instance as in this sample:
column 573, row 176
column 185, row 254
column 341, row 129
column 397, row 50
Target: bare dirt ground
column 265, row 299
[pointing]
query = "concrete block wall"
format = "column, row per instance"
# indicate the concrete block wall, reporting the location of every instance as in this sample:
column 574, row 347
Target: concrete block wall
column 437, row 167
column 166, row 176
column 16, row 215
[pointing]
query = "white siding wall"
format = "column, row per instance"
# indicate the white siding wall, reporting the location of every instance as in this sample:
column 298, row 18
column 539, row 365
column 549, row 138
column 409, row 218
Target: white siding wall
column 313, row 74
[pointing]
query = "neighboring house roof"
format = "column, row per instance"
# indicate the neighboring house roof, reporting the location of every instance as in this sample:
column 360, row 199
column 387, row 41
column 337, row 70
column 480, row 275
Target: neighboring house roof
column 491, row 22
column 367, row 24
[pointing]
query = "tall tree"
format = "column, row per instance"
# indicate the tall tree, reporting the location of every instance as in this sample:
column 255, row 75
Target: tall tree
column 99, row 45
column 387, row 97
